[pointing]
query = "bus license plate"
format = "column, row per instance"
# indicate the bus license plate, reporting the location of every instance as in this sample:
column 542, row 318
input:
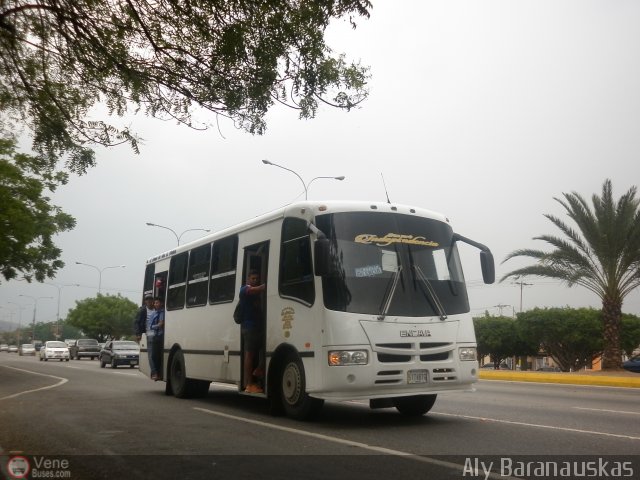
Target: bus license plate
column 417, row 376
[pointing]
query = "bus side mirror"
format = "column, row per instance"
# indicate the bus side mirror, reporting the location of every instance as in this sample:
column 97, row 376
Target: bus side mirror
column 321, row 257
column 488, row 267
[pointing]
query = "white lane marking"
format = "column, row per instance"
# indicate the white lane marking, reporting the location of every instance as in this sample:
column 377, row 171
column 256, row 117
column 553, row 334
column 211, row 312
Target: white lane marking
column 536, row 425
column 350, row 443
column 605, row 410
column 61, row 382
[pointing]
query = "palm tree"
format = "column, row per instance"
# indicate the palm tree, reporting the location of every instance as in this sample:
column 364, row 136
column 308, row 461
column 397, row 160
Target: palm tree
column 602, row 255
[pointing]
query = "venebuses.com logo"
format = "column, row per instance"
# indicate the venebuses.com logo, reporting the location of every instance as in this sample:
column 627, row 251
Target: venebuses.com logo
column 18, row 467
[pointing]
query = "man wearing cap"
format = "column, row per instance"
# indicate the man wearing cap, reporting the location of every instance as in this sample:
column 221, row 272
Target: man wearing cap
column 144, row 312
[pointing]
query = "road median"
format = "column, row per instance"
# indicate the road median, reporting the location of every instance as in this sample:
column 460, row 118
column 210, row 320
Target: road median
column 623, row 379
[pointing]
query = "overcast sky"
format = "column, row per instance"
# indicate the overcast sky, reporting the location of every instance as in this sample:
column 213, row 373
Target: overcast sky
column 484, row 111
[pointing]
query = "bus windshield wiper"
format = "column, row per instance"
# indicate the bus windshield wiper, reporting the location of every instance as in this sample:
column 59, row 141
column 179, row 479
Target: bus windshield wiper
column 388, row 297
column 431, row 292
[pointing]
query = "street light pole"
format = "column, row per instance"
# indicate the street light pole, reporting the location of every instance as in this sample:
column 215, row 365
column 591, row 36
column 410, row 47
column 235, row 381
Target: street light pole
column 100, row 270
column 60, row 287
column 178, row 237
column 20, row 307
column 35, row 306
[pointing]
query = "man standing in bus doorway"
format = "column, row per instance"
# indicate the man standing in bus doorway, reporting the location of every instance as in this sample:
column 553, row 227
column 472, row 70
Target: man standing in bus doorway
column 155, row 338
column 252, row 331
column 144, row 312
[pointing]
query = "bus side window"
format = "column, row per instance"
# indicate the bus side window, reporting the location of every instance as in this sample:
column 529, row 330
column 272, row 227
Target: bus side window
column 198, row 276
column 177, row 281
column 223, row 270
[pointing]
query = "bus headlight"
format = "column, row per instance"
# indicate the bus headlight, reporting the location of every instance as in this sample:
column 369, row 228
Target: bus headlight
column 467, row 353
column 348, row 357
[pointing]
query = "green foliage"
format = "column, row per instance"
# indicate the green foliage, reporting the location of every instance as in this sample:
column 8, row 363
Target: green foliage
column 28, row 222
column 43, row 332
column 235, row 59
column 572, row 337
column 500, row 337
column 602, row 255
column 630, row 334
column 103, row 317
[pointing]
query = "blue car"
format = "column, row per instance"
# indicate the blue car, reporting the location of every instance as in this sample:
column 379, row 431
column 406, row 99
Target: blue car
column 633, row 364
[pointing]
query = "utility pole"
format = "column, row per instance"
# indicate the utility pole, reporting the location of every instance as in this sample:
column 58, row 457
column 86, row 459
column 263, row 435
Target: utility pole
column 522, row 285
column 500, row 306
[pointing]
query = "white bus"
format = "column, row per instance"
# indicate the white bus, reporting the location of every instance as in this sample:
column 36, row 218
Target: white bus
column 363, row 301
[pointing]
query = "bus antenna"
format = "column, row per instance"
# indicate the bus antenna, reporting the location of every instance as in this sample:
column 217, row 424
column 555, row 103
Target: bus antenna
column 385, row 188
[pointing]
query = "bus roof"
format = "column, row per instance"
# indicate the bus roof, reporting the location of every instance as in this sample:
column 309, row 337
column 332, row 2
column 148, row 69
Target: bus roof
column 308, row 208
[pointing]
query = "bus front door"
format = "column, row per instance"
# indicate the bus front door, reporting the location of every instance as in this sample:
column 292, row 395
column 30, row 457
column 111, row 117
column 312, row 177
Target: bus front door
column 256, row 259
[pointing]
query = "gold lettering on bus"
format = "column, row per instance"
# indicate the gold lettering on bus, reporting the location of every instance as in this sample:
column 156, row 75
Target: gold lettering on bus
column 287, row 316
column 390, row 238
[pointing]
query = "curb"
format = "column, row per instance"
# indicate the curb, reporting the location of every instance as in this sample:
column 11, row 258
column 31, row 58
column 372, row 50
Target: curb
column 563, row 378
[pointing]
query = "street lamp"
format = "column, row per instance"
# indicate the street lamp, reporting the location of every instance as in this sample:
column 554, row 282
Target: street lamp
column 60, row 287
column 341, row 177
column 20, row 308
column 267, row 162
column 35, row 305
column 100, row 270
column 306, row 186
column 178, row 237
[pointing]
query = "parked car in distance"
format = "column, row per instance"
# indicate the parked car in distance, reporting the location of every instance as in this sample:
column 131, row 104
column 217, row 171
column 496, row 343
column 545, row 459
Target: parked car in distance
column 54, row 350
column 4, row 347
column 84, row 347
column 27, row 349
column 69, row 341
column 13, row 349
column 491, row 366
column 548, row 368
column 120, row 352
column 633, row 364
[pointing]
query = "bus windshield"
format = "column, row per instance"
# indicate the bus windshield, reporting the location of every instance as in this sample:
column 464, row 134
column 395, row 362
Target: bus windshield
column 392, row 264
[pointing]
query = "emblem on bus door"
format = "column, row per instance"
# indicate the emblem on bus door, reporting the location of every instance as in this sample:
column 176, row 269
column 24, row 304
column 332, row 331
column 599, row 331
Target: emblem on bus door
column 287, row 314
column 415, row 333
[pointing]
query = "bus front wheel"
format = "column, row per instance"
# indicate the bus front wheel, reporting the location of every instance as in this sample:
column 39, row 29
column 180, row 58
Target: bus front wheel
column 295, row 400
column 415, row 405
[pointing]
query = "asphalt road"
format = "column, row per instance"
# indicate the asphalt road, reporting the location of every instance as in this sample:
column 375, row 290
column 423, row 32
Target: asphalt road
column 118, row 424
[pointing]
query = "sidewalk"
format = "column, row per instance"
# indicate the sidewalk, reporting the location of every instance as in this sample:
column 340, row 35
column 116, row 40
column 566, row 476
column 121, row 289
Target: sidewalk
column 604, row 379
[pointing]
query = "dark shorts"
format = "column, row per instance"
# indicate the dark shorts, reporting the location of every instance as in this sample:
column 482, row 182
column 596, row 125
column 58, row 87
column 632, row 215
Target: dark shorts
column 253, row 339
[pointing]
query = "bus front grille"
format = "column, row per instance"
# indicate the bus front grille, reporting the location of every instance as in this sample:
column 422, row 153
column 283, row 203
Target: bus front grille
column 413, row 352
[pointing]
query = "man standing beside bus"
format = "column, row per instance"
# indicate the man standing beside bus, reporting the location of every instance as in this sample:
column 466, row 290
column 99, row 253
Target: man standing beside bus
column 252, row 330
column 144, row 312
column 155, row 338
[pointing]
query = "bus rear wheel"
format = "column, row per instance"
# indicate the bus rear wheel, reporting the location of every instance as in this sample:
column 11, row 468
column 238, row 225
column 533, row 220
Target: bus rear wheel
column 295, row 400
column 415, row 405
column 178, row 377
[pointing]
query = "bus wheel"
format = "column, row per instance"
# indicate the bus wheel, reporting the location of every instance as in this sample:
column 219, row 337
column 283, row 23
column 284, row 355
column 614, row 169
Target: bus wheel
column 297, row 404
column 415, row 405
column 177, row 372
